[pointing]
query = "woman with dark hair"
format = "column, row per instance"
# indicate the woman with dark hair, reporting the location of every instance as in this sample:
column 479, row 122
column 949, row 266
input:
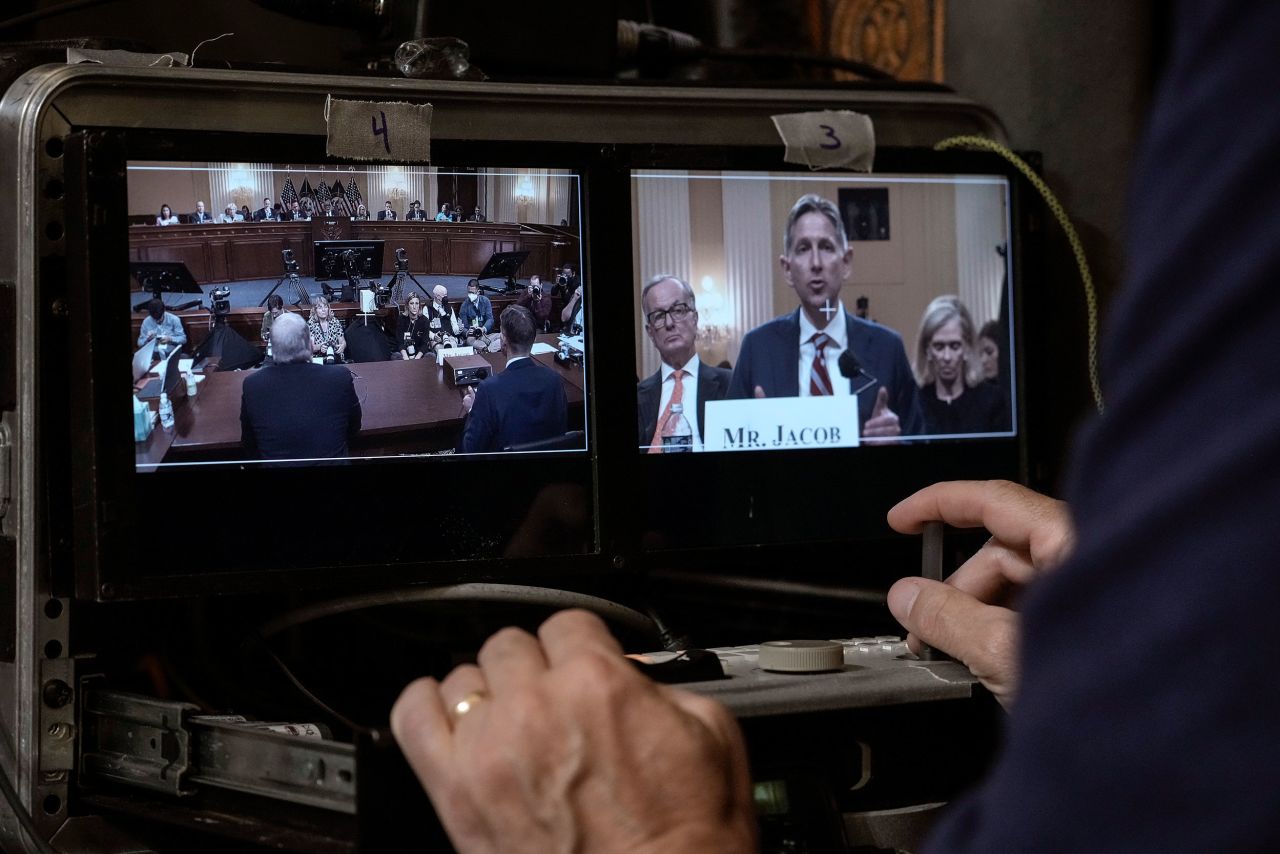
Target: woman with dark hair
column 953, row 393
column 167, row 216
column 989, row 339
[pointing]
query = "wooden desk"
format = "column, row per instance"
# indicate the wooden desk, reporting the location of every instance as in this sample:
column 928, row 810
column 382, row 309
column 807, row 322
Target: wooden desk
column 406, row 407
column 228, row 253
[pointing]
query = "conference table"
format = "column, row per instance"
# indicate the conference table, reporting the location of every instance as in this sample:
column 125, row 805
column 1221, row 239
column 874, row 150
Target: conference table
column 406, row 407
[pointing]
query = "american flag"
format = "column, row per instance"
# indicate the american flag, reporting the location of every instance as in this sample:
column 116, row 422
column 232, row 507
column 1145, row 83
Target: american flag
column 288, row 195
column 353, row 194
column 322, row 193
column 340, row 200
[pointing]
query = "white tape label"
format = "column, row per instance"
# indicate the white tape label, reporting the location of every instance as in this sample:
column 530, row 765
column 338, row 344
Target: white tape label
column 828, row 139
column 372, row 130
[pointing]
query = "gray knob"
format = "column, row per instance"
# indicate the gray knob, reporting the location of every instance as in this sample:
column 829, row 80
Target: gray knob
column 801, row 656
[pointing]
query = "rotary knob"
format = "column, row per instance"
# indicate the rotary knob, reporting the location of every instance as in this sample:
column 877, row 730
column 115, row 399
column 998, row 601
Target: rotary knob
column 801, row 656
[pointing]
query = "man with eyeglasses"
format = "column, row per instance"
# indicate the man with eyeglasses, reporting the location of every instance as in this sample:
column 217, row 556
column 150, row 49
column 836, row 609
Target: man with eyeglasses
column 798, row 354
column 671, row 321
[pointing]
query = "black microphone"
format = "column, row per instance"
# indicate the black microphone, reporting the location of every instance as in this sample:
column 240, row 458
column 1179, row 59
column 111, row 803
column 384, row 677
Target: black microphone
column 850, row 369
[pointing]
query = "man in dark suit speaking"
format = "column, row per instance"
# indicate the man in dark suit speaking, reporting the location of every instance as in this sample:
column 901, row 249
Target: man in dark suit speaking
column 524, row 403
column 798, row 355
column 671, row 322
column 294, row 409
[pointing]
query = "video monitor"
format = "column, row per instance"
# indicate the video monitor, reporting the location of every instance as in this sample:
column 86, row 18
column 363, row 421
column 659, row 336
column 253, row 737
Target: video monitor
column 339, row 259
column 262, row 391
column 781, row 311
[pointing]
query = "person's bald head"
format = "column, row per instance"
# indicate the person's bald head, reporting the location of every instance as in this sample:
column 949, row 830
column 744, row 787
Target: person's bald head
column 439, row 292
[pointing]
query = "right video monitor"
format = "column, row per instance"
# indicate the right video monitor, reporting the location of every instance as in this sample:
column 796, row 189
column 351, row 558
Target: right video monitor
column 781, row 311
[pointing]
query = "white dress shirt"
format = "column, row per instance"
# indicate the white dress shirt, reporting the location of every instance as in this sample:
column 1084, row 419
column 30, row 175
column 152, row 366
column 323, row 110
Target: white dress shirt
column 838, row 331
column 688, row 397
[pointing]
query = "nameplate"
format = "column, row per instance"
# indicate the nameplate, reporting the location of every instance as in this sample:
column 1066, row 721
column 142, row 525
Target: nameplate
column 828, row 139
column 781, row 423
column 445, row 352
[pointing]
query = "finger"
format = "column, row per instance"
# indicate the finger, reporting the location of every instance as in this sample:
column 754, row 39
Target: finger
column 982, row 637
column 466, row 679
column 882, row 402
column 759, row 393
column 511, row 659
column 567, row 633
column 421, row 725
column 1017, row 516
column 993, row 572
column 885, row 424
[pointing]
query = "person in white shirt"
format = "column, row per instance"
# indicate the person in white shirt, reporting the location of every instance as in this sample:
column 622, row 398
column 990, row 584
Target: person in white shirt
column 671, row 322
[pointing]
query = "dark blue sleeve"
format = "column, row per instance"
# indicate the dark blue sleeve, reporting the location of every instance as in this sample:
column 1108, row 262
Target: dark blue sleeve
column 482, row 424
column 740, row 384
column 1147, row 718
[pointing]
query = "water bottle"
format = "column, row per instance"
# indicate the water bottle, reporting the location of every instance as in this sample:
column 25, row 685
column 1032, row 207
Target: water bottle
column 166, row 412
column 192, row 390
column 677, row 435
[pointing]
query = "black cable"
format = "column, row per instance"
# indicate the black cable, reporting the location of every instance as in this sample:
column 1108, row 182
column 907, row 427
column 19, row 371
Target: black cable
column 841, row 63
column 49, row 12
column 15, row 804
column 306, row 692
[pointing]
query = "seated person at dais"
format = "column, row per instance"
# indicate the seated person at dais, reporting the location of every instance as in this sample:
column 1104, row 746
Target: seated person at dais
column 444, row 215
column 387, row 213
column 416, row 213
column 266, row 213
column 200, row 216
column 327, row 336
column 477, row 216
column 442, row 322
column 412, row 334
column 538, row 302
column 167, row 216
column 524, row 403
column 246, row 215
column 362, row 213
column 164, row 327
column 230, row 214
column 953, row 393
column 294, row 409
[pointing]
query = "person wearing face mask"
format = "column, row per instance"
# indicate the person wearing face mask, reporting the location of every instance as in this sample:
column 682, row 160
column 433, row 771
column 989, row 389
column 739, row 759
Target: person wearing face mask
column 441, row 319
column 953, row 394
column 476, row 318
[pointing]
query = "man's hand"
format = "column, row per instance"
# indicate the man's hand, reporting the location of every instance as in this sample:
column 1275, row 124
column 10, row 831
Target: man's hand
column 566, row 747
column 883, row 423
column 970, row 616
column 468, row 399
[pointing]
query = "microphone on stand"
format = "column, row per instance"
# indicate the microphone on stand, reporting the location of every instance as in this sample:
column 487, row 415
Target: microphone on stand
column 850, row 369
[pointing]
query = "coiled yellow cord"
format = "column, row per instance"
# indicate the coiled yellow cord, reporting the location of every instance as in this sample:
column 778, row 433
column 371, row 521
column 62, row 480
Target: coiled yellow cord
column 1060, row 214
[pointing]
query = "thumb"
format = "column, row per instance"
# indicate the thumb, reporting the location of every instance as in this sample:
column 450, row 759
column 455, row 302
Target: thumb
column 882, row 402
column 760, row 393
column 982, row 637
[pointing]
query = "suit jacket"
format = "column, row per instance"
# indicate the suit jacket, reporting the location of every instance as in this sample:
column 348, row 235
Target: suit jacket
column 770, row 358
column 524, row 403
column 482, row 309
column 263, row 214
column 416, row 215
column 198, row 218
column 713, row 384
column 386, row 214
column 298, row 411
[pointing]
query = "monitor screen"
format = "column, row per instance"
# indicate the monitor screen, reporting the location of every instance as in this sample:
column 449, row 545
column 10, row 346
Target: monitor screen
column 781, row 311
column 393, row 320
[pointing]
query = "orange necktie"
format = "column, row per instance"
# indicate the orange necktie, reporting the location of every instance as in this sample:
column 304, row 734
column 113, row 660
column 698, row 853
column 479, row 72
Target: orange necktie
column 677, row 396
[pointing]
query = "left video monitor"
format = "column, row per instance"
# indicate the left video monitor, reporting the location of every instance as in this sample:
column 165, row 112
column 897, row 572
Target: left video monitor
column 394, row 281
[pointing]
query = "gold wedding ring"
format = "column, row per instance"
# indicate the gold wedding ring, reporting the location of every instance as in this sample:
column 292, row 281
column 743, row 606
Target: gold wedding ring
column 468, row 703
